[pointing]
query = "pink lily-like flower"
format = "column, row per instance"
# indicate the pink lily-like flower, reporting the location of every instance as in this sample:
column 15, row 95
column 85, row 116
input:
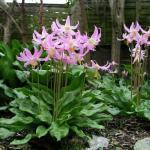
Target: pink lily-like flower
column 143, row 40
column 67, row 28
column 95, row 65
column 94, row 40
column 146, row 36
column 106, row 67
column 54, row 27
column 30, row 59
column 38, row 38
column 132, row 32
column 138, row 54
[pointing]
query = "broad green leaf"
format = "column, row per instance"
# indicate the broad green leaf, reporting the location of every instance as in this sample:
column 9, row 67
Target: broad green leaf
column 79, row 132
column 41, row 131
column 45, row 116
column 8, row 91
column 2, row 54
column 28, row 106
column 19, row 93
column 2, row 108
column 25, row 140
column 41, row 72
column 15, row 119
column 77, row 70
column 5, row 133
column 91, row 109
column 22, row 75
column 59, row 131
column 114, row 110
column 87, row 122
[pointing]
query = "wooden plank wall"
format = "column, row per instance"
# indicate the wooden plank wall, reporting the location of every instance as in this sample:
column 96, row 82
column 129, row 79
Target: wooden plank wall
column 51, row 12
column 98, row 13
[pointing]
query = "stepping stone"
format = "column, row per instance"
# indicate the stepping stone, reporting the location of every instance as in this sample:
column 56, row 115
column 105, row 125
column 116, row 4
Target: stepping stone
column 143, row 144
column 98, row 142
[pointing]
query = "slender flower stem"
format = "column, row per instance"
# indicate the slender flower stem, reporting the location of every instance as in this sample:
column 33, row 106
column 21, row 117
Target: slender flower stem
column 131, row 74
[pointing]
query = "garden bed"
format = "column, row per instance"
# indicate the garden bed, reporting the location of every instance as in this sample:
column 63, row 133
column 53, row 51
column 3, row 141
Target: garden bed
column 122, row 132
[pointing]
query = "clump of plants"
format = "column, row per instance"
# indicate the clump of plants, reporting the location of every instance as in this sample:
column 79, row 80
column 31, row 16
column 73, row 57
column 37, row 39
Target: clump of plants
column 129, row 95
column 56, row 100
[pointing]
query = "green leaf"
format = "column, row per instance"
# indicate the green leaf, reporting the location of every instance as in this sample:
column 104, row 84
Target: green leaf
column 114, row 110
column 5, row 133
column 77, row 70
column 45, row 116
column 59, row 131
column 25, row 140
column 22, row 75
column 28, row 106
column 79, row 132
column 41, row 131
column 41, row 72
column 91, row 109
column 19, row 93
column 87, row 122
column 12, row 120
column 8, row 91
column 2, row 108
column 2, row 54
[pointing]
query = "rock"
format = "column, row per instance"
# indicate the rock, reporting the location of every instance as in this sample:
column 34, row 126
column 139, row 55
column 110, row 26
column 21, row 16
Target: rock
column 143, row 144
column 2, row 147
column 98, row 142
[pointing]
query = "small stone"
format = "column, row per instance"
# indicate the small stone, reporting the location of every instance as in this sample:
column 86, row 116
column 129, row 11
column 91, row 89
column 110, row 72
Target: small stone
column 98, row 142
column 143, row 144
column 2, row 147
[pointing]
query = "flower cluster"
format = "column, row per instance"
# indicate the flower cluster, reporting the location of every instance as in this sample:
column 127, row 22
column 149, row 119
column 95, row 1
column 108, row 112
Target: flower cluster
column 139, row 37
column 65, row 43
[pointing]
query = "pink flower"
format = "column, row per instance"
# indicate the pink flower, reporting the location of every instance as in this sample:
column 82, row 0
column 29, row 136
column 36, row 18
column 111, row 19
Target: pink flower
column 96, row 66
column 62, row 44
column 67, row 28
column 138, row 54
column 94, row 40
column 133, row 28
column 132, row 32
column 30, row 59
column 38, row 38
column 106, row 67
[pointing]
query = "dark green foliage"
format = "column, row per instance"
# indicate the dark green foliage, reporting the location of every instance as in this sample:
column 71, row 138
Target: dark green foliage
column 8, row 62
column 33, row 111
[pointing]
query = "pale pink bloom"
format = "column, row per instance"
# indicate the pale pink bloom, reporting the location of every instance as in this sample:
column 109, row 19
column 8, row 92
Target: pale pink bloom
column 38, row 38
column 29, row 59
column 113, row 63
column 67, row 28
column 142, row 40
column 94, row 40
column 138, row 54
column 106, row 67
column 146, row 37
column 95, row 65
column 81, row 38
column 132, row 32
column 134, row 27
column 54, row 27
